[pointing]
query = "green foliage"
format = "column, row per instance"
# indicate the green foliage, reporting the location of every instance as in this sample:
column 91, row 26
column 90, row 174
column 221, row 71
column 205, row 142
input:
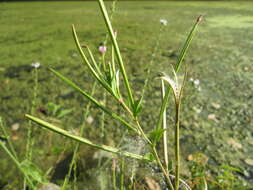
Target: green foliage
column 137, row 107
column 227, row 178
column 32, row 171
column 155, row 135
column 57, row 111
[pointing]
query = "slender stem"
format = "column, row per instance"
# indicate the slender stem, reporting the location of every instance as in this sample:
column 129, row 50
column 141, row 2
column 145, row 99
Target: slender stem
column 113, row 10
column 8, row 139
column 177, row 67
column 93, row 61
column 29, row 145
column 182, row 182
column 103, row 119
column 155, row 50
column 17, row 164
column 30, row 139
column 117, row 51
column 103, row 63
column 165, row 173
column 122, row 168
column 165, row 140
column 163, row 107
column 75, row 154
column 141, row 132
column 114, row 174
column 177, row 146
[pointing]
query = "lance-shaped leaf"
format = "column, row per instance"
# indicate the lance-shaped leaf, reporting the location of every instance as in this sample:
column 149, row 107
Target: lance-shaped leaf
column 94, row 101
column 84, row 140
column 177, row 67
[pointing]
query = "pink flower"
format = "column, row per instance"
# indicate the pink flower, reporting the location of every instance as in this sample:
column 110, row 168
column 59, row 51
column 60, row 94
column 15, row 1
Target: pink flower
column 102, row 49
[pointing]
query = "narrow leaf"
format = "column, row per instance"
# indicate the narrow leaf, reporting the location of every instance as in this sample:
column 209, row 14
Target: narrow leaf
column 187, row 43
column 116, row 47
column 179, row 62
column 94, row 101
column 156, row 135
column 137, row 107
column 64, row 112
column 62, row 132
column 86, row 61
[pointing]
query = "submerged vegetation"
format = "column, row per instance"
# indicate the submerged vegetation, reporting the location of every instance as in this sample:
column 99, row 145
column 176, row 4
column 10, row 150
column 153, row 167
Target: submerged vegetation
column 126, row 115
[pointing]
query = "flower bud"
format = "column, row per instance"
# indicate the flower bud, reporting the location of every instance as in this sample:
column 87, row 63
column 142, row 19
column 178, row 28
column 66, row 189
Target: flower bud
column 102, row 49
column 200, row 18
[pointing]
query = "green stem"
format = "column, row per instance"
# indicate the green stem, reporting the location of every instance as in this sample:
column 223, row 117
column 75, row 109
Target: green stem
column 155, row 50
column 8, row 139
column 165, row 140
column 75, row 154
column 177, row 146
column 117, row 51
column 122, row 168
column 141, row 132
column 177, row 67
column 29, row 145
column 18, row 165
column 30, row 139
column 93, row 61
column 103, row 120
column 114, row 174
column 163, row 107
column 165, row 173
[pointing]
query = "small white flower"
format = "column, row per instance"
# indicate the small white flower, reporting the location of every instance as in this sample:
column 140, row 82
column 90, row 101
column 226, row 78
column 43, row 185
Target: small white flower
column 163, row 21
column 89, row 119
column 191, row 79
column 196, row 82
column 35, row 65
